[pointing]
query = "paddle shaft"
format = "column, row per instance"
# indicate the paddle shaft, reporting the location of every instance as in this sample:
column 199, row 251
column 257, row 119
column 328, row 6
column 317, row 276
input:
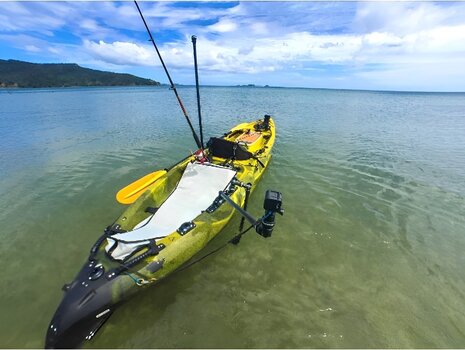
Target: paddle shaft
column 173, row 87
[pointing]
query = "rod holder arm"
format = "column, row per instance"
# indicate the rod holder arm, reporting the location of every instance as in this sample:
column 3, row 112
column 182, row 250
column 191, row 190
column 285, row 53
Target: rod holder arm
column 245, row 214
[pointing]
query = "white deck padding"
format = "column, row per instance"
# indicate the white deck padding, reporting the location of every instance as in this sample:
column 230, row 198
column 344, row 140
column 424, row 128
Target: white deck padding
column 196, row 191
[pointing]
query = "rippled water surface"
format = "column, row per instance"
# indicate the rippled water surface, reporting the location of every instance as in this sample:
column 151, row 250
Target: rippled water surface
column 370, row 252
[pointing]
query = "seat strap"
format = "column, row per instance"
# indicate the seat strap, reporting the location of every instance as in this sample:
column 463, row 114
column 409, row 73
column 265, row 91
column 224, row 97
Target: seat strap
column 151, row 210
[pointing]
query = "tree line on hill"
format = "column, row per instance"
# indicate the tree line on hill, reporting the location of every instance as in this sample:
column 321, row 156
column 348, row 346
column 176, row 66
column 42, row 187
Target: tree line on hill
column 22, row 74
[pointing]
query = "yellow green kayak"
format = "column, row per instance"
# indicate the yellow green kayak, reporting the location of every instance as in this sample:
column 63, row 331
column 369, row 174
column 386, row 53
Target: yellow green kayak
column 180, row 211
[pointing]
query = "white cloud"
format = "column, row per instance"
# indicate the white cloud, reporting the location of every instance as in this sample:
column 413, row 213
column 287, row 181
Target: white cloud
column 271, row 54
column 124, row 53
column 54, row 50
column 16, row 16
column 369, row 41
column 441, row 45
column 404, row 18
column 223, row 26
column 32, row 48
column 260, row 28
column 89, row 24
column 21, row 40
column 381, row 39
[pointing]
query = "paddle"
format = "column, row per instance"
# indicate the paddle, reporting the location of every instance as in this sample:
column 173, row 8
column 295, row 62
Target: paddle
column 131, row 192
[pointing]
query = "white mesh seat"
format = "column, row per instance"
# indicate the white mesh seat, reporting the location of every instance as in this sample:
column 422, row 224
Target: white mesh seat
column 195, row 192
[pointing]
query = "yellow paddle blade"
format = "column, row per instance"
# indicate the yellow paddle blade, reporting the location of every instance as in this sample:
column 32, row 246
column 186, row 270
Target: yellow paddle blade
column 131, row 192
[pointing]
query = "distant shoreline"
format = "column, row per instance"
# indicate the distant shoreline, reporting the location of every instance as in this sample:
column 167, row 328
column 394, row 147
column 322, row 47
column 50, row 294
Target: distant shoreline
column 258, row 87
column 75, row 87
column 16, row 74
column 21, row 74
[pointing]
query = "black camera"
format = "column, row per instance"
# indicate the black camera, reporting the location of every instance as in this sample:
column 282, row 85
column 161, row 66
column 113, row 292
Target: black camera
column 272, row 205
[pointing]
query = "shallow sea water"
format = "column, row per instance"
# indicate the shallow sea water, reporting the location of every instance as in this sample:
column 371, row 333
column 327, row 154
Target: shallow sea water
column 369, row 253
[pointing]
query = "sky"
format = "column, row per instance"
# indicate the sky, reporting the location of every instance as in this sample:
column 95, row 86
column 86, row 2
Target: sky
column 403, row 46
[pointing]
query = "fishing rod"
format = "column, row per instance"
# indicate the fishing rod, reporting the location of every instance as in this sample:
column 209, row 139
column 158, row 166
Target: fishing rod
column 173, row 87
column 194, row 40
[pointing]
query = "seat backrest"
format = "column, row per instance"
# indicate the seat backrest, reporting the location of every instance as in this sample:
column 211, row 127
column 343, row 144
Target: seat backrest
column 222, row 148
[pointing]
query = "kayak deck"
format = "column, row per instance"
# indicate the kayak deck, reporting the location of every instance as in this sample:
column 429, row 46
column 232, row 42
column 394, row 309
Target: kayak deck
column 178, row 247
column 200, row 181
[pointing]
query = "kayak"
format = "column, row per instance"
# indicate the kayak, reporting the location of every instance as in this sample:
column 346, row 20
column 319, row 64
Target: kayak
column 172, row 220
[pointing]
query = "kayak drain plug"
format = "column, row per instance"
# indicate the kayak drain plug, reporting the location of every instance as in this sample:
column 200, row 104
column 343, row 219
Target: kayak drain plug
column 96, row 272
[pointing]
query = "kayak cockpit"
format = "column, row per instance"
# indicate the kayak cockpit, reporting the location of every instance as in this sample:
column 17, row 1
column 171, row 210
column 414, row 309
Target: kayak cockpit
column 174, row 203
column 196, row 191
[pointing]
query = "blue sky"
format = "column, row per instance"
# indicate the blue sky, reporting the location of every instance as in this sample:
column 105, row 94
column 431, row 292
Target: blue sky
column 354, row 45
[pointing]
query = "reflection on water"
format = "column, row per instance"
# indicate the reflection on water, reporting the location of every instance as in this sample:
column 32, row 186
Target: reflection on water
column 368, row 254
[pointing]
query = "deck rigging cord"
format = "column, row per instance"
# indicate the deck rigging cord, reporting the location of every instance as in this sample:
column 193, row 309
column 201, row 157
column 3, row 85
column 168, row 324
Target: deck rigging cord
column 142, row 280
column 233, row 240
column 264, row 226
column 173, row 87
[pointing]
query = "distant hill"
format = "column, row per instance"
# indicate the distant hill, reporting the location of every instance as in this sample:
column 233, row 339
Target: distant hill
column 33, row 75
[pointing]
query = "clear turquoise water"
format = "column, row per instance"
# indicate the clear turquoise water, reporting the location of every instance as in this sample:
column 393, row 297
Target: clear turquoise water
column 370, row 252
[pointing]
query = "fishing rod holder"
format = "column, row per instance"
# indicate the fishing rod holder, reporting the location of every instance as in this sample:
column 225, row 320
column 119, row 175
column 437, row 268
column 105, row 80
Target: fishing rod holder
column 272, row 205
column 265, row 125
column 236, row 182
